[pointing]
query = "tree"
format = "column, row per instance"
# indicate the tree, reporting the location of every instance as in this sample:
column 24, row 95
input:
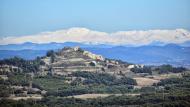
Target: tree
column 4, row 91
column 50, row 53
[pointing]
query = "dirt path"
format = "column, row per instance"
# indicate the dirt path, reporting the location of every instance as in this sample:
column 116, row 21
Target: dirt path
column 34, row 97
column 90, row 96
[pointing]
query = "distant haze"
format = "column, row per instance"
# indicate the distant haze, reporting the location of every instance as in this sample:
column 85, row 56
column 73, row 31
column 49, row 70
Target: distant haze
column 84, row 35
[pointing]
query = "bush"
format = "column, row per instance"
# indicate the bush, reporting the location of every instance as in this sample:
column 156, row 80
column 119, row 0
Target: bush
column 4, row 91
column 142, row 70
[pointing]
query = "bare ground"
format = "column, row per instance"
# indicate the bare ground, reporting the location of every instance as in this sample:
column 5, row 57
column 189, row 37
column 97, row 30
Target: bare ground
column 90, row 96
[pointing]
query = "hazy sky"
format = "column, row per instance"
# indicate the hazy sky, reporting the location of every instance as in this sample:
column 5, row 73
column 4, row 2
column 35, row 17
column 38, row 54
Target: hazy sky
column 26, row 17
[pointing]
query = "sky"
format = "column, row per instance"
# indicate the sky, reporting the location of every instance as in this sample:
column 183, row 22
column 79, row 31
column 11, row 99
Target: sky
column 20, row 18
column 25, row 17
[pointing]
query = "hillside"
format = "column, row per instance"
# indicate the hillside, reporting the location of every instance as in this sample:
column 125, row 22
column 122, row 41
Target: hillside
column 76, row 59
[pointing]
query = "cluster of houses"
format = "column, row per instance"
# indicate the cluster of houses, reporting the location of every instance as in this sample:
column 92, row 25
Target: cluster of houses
column 9, row 68
column 17, row 91
column 4, row 69
column 93, row 56
column 137, row 66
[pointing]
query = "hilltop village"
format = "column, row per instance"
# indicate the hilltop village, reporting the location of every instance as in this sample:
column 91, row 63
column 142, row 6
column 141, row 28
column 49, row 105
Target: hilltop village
column 69, row 60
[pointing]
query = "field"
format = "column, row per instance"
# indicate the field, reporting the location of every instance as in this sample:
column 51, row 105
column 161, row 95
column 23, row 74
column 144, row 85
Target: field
column 142, row 81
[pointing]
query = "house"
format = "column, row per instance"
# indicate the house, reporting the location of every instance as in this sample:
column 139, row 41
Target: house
column 43, row 71
column 93, row 63
column 9, row 68
column 4, row 77
column 76, row 48
column 93, row 56
column 131, row 66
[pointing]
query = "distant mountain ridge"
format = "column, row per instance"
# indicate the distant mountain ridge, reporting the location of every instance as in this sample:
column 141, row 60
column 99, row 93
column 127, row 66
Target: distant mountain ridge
column 55, row 45
column 47, row 46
